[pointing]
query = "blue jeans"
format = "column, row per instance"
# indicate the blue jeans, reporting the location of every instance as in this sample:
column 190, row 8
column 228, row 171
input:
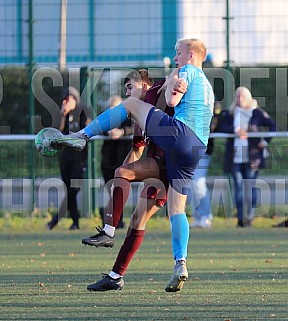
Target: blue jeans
column 245, row 195
column 201, row 194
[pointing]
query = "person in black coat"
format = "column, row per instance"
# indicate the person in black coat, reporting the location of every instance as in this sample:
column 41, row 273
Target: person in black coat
column 244, row 155
column 73, row 116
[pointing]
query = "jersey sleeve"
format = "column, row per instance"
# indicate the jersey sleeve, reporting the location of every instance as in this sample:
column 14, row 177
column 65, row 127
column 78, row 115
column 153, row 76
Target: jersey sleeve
column 183, row 74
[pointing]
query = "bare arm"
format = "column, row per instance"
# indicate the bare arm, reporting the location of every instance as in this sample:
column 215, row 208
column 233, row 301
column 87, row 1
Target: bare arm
column 175, row 89
column 172, row 97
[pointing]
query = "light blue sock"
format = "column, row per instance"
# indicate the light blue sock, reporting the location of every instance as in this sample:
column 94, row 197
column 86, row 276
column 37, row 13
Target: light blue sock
column 109, row 119
column 180, row 235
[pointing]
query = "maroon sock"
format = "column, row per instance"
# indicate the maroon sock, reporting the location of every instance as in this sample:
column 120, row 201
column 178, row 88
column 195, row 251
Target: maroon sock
column 117, row 201
column 131, row 244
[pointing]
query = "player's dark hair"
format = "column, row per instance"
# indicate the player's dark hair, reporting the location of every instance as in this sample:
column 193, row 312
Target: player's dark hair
column 139, row 75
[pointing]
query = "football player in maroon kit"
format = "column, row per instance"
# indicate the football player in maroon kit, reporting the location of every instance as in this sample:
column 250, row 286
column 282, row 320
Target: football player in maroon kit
column 151, row 170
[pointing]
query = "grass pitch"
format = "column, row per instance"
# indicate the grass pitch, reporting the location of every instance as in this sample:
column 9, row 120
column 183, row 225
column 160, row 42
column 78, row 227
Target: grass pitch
column 235, row 274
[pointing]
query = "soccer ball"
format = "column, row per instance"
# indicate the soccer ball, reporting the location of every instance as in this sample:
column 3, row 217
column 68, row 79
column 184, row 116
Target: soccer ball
column 44, row 139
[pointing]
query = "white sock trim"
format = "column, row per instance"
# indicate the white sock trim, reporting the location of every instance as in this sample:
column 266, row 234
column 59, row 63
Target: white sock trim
column 114, row 275
column 109, row 230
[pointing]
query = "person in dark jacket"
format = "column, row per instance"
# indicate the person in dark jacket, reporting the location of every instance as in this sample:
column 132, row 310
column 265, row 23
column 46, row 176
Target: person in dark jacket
column 243, row 154
column 74, row 116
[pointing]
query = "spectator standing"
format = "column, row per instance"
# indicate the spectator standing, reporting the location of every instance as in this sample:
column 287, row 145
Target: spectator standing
column 72, row 163
column 244, row 155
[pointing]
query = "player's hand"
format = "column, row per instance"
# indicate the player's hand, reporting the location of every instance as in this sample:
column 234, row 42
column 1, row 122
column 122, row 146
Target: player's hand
column 168, row 79
column 180, row 86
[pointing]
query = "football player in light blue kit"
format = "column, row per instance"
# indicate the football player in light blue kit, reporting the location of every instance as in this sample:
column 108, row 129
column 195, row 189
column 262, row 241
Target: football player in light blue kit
column 183, row 137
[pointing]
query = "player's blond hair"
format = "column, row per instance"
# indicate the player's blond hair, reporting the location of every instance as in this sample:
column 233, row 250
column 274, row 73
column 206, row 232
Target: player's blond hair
column 195, row 45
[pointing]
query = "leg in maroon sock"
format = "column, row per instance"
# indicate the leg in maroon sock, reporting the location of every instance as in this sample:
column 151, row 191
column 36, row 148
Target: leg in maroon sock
column 144, row 210
column 131, row 244
column 117, row 202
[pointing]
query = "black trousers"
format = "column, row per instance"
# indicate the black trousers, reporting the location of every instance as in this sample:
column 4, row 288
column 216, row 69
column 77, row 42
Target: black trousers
column 70, row 170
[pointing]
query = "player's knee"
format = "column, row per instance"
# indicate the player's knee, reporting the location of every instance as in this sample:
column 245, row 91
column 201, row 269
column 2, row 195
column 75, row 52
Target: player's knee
column 121, row 172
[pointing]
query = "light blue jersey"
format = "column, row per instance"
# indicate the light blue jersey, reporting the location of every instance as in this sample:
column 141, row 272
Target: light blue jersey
column 195, row 109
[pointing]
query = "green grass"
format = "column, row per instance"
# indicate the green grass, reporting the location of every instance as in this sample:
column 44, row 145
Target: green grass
column 235, row 274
